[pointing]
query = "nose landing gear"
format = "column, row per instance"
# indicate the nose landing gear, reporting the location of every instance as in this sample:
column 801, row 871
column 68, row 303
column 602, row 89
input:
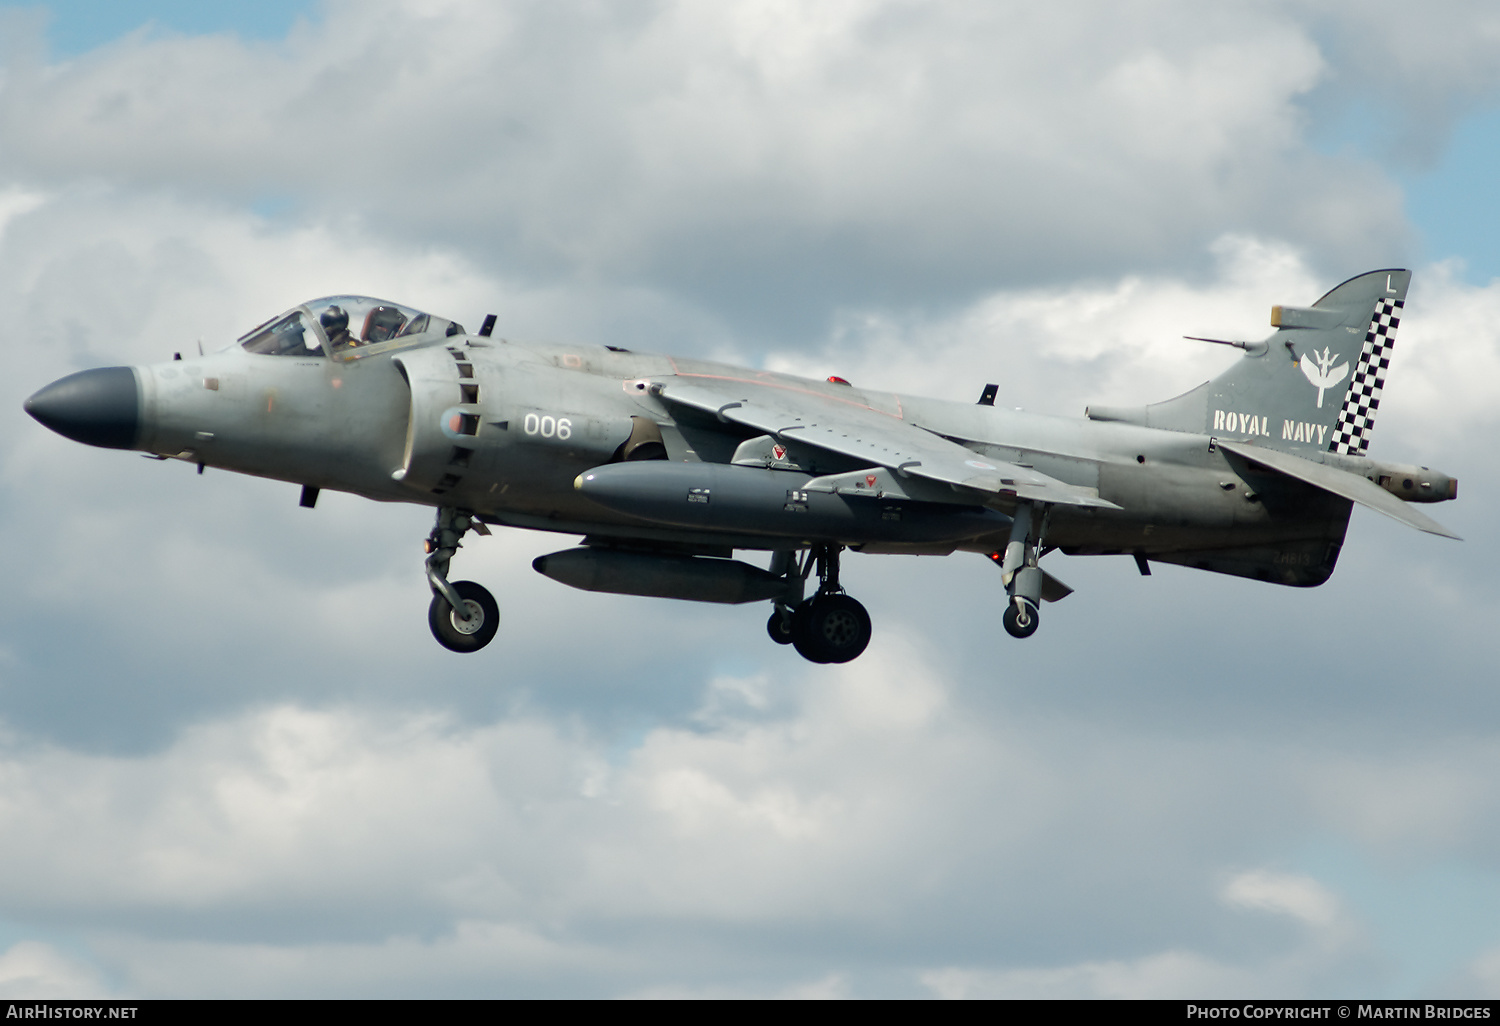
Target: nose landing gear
column 463, row 615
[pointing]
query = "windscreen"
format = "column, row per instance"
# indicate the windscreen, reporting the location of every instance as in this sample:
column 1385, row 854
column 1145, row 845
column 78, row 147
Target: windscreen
column 290, row 335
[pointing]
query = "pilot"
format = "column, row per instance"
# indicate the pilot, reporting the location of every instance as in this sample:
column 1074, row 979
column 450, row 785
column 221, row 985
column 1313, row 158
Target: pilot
column 335, row 321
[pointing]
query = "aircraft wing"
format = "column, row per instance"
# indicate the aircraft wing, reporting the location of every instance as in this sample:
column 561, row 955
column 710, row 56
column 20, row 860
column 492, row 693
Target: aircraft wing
column 1341, row 483
column 872, row 437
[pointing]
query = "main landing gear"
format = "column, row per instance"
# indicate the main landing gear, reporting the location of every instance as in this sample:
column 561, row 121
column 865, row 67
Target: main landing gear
column 463, row 616
column 830, row 627
column 1023, row 578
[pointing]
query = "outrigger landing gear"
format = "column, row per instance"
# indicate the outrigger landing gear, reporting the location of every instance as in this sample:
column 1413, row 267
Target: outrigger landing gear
column 830, row 627
column 1023, row 578
column 463, row 616
column 779, row 626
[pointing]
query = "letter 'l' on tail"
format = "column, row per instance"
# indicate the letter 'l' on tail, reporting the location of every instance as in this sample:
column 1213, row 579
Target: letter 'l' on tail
column 1313, row 385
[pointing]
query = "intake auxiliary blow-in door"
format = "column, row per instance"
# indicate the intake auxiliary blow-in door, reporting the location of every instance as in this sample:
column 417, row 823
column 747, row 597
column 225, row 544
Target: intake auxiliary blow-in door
column 443, row 421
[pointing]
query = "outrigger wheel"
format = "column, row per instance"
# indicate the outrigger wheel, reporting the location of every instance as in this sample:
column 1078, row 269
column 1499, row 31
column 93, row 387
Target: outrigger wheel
column 779, row 628
column 1023, row 578
column 1021, row 618
column 465, row 635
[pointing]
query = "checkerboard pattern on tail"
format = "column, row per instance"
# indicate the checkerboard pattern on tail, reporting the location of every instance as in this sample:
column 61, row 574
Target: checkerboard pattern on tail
column 1351, row 435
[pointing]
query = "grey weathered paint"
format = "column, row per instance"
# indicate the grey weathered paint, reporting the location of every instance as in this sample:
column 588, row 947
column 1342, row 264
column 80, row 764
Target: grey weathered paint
column 462, row 421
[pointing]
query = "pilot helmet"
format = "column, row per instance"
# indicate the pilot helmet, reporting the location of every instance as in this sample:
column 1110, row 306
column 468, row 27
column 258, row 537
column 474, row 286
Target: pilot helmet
column 334, row 320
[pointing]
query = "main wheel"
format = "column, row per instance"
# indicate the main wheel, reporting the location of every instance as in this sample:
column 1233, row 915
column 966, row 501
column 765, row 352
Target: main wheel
column 1021, row 618
column 468, row 635
column 830, row 629
column 778, row 629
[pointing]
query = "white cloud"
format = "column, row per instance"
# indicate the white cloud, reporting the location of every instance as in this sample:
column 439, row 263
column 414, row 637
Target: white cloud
column 1482, row 978
column 1059, row 349
column 1174, row 974
column 833, row 987
column 1331, row 946
column 366, row 828
column 1055, row 349
column 16, row 202
column 39, row 971
column 1423, row 803
column 1442, row 388
column 387, row 853
column 895, row 149
column 473, row 959
column 1300, row 897
column 236, row 762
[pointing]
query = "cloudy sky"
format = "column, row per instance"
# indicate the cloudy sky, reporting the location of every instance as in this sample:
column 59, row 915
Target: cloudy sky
column 234, row 763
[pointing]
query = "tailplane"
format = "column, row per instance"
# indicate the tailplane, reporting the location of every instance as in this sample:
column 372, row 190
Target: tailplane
column 1313, row 386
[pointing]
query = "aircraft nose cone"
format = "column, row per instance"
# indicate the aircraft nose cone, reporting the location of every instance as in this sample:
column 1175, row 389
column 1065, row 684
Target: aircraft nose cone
column 97, row 407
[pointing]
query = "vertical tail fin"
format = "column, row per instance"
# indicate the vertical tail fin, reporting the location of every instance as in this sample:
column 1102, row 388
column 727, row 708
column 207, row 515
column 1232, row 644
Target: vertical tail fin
column 1313, row 385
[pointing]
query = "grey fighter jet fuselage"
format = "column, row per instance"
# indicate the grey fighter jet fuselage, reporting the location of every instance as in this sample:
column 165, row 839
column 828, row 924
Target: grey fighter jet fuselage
column 664, row 466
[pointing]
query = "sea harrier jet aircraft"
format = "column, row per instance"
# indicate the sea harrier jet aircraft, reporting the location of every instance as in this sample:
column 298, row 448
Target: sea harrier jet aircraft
column 665, row 467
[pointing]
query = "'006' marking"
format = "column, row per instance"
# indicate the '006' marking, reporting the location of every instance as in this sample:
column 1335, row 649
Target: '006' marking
column 548, row 427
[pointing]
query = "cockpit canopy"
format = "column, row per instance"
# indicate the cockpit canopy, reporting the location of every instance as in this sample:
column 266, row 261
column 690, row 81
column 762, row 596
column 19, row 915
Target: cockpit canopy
column 347, row 327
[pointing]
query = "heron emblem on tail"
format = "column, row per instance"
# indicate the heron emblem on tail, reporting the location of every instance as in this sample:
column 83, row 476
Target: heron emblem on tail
column 1319, row 369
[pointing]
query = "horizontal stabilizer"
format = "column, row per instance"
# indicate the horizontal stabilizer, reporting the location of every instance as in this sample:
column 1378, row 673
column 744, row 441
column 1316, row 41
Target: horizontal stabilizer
column 1339, row 482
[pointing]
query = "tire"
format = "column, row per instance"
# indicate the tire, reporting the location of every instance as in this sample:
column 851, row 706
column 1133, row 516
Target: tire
column 777, row 628
column 802, row 638
column 830, row 629
column 459, row 635
column 1021, row 618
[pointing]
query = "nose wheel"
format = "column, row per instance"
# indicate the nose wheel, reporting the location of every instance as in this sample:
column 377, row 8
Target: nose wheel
column 463, row 616
column 469, row 633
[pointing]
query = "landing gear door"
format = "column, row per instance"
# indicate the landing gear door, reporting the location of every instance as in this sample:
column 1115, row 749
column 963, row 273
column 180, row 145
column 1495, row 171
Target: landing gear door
column 443, row 420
